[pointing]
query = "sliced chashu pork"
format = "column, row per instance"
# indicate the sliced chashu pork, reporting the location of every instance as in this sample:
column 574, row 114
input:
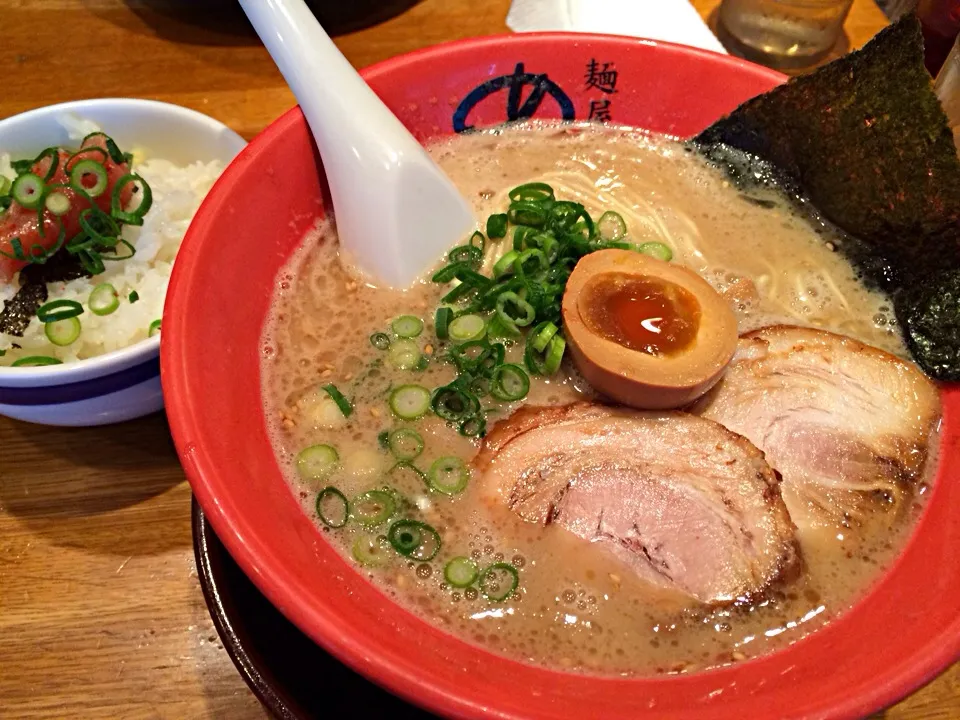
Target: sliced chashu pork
column 846, row 425
column 687, row 504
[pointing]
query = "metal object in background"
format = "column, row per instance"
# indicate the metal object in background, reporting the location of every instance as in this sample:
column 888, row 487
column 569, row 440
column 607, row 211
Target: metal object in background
column 785, row 34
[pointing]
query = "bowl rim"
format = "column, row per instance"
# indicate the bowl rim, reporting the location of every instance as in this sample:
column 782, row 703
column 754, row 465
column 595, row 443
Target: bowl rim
column 938, row 651
column 143, row 350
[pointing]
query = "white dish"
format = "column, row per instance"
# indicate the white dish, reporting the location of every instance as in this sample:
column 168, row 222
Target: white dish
column 123, row 384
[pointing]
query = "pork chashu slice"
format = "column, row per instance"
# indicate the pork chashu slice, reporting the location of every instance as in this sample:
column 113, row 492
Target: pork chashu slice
column 689, row 505
column 846, row 425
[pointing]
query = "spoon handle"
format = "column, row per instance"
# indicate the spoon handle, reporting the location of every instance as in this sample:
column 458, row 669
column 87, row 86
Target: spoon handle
column 382, row 181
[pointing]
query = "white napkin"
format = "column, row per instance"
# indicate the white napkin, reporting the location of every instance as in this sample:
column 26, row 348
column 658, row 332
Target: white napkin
column 670, row 20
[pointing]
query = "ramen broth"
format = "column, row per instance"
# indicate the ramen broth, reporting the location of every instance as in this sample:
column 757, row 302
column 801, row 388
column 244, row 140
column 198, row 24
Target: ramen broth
column 575, row 607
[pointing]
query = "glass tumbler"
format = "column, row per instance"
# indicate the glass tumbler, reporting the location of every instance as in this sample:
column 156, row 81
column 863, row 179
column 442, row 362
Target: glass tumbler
column 784, row 34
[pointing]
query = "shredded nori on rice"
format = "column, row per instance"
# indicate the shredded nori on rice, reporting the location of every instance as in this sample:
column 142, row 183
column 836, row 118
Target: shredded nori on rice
column 19, row 310
column 865, row 141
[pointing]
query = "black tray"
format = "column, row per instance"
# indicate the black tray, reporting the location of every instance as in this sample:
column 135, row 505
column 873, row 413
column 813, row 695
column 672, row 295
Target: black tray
column 292, row 676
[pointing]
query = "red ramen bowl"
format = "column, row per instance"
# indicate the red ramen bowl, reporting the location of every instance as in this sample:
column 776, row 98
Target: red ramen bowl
column 904, row 631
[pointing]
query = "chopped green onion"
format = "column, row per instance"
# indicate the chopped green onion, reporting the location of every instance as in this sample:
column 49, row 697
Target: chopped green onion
column 504, row 265
column 114, row 152
column 555, row 354
column 405, row 444
column 62, row 332
column 407, row 326
column 467, row 327
column 460, row 572
column 410, row 401
column 611, row 226
column 104, row 299
column 83, row 171
column 469, row 254
column 525, row 212
column 499, row 581
column 542, row 335
column 135, row 216
column 509, row 382
column 477, row 240
column 407, row 475
column 370, row 550
column 133, row 297
column 383, row 439
column 497, row 328
column 414, row 539
column 372, row 508
column 154, row 328
column 532, row 192
column 497, row 226
column 57, row 203
column 473, row 426
column 59, row 310
column 453, row 403
column 513, row 309
column 442, row 322
column 448, row 475
column 345, row 407
column 332, row 507
column 36, row 361
column 404, row 354
column 28, row 190
column 5, row 184
column 656, row 250
column 317, row 461
column 381, row 341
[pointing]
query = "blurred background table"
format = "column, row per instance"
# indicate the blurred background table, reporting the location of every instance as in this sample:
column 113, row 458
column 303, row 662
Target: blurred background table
column 101, row 614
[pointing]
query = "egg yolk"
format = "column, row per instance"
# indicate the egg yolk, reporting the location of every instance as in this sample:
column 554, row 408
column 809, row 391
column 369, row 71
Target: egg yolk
column 641, row 312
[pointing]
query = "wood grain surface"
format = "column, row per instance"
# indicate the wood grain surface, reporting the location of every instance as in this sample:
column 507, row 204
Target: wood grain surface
column 100, row 611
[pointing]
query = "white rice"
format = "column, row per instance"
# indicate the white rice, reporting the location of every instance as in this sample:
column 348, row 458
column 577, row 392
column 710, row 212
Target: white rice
column 177, row 193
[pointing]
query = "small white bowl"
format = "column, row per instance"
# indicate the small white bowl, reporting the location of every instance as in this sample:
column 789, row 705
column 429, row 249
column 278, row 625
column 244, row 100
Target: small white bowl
column 123, row 384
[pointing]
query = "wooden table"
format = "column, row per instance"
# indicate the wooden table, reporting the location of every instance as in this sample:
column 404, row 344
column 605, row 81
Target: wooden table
column 100, row 611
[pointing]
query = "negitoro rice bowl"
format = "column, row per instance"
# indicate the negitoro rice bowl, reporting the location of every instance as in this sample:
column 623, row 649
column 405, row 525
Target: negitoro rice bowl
column 111, row 297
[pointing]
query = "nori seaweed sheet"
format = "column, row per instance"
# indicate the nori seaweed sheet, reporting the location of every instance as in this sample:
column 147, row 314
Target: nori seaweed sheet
column 865, row 140
column 22, row 307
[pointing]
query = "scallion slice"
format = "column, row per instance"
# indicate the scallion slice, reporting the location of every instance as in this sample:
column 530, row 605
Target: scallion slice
column 555, row 354
column 134, row 216
column 509, row 382
column 372, row 508
column 473, row 426
column 453, row 403
column 542, row 335
column 504, row 265
column 532, row 192
column 154, row 328
column 36, row 361
column 62, row 332
column 370, row 550
column 407, row 475
column 345, row 407
column 497, row 226
column 59, row 310
column 469, row 254
column 381, row 341
column 332, row 507
column 133, row 297
column 28, row 190
column 414, row 539
column 57, row 203
column 404, row 354
column 104, row 299
column 611, row 226
column 317, row 461
column 460, row 572
column 656, row 250
column 499, row 581
column 448, row 475
column 442, row 322
column 410, row 401
column 466, row 328
column 407, row 326
column 90, row 177
column 512, row 308
column 405, row 444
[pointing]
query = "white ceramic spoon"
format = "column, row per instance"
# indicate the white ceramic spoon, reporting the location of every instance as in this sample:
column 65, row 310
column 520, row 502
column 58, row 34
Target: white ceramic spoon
column 396, row 211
